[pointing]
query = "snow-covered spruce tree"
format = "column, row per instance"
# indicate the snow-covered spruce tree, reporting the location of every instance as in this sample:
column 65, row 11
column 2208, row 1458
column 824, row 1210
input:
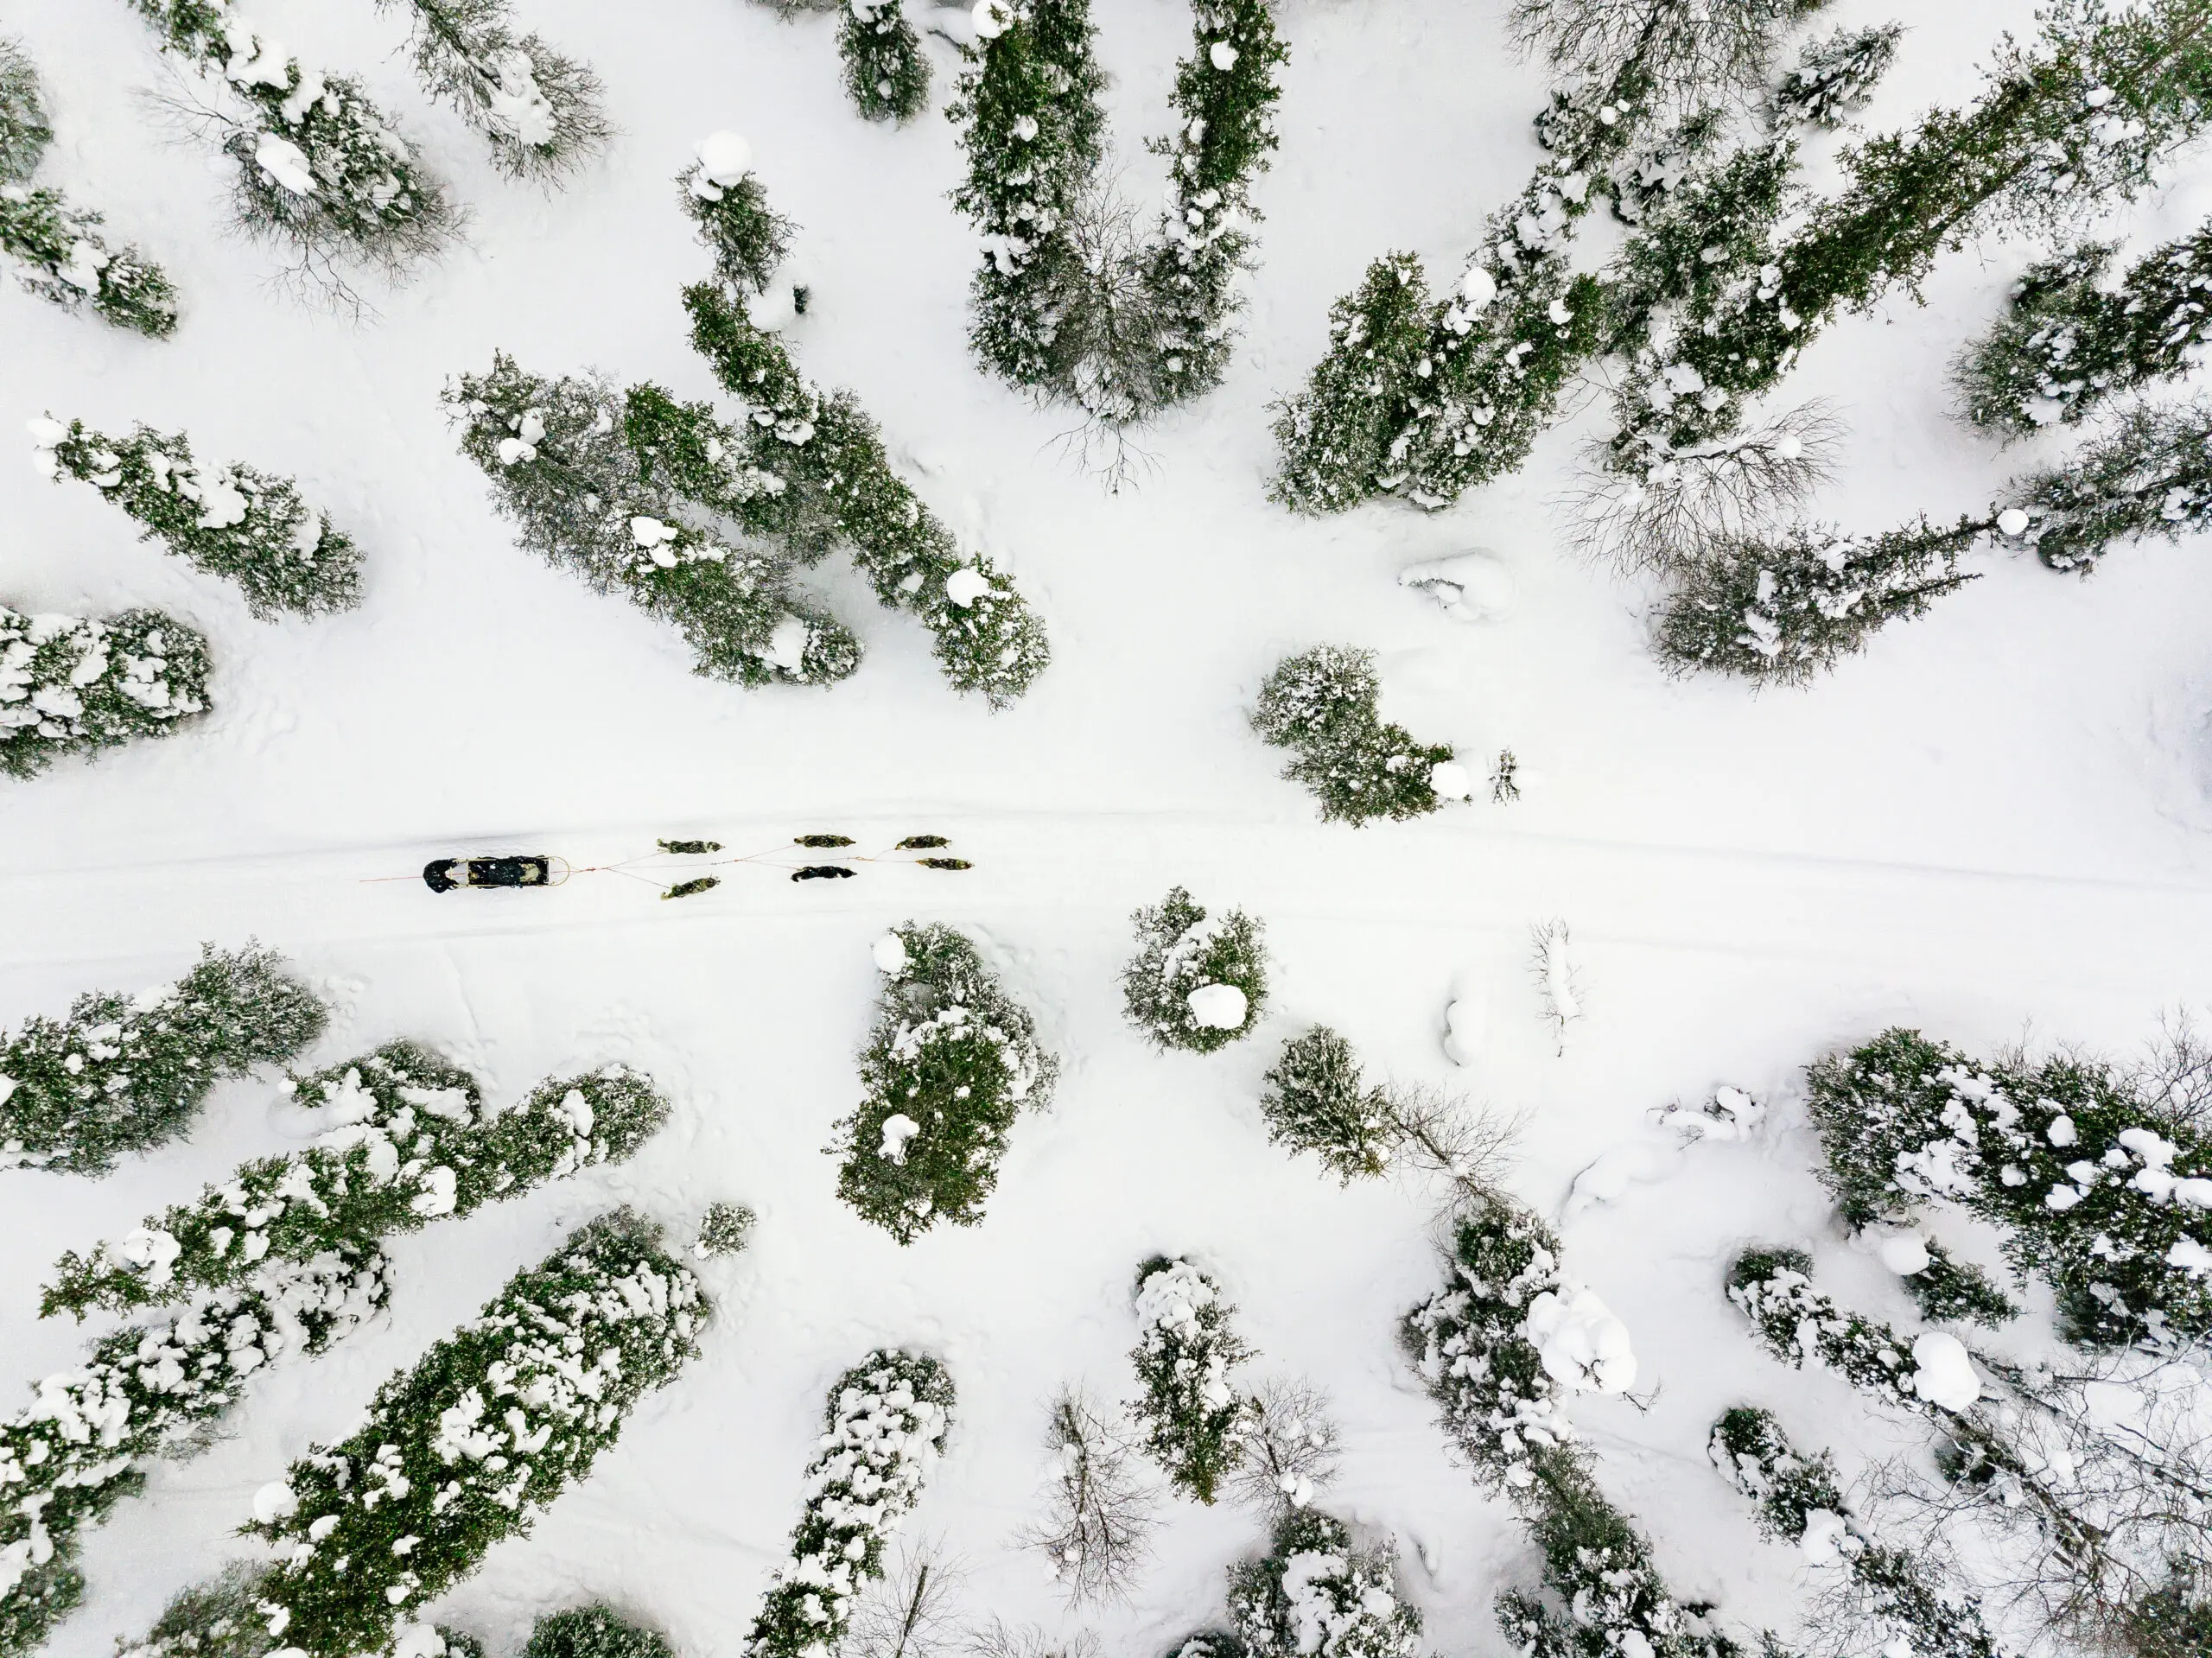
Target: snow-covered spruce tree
column 1315, row 1100
column 1949, row 1291
column 884, row 1430
column 1893, row 1595
column 487, row 1427
column 1224, row 99
column 72, row 685
column 1196, row 981
column 65, row 257
column 949, row 1066
column 2073, row 123
column 406, row 1141
column 320, row 167
column 723, row 1230
column 123, row 1074
column 214, row 1619
column 2150, row 475
column 827, row 449
column 249, row 526
column 561, row 469
column 727, row 204
column 70, row 1456
column 884, row 70
column 1190, row 1411
column 1784, row 609
column 538, row 109
column 1930, row 1376
column 2070, row 338
column 1695, row 53
column 1099, row 1518
column 1318, row 1594
column 1028, row 108
column 1428, row 398
column 593, row 1631
column 1323, row 705
column 2099, row 1191
column 1833, row 78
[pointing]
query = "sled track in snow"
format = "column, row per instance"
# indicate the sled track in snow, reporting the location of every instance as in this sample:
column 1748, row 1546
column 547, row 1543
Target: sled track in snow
column 2144, row 937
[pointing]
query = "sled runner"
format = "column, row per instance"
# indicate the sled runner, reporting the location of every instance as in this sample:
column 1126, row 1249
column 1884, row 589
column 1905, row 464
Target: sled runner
column 448, row 875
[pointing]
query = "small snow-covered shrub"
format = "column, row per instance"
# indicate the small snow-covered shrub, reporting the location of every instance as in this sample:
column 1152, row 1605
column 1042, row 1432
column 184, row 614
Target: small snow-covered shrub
column 406, row 1141
column 1323, row 706
column 987, row 639
column 2070, row 339
column 233, row 521
column 1318, row 1594
column 950, row 1066
column 884, row 1428
column 66, row 258
column 1314, row 1101
column 723, row 1230
column 1780, row 610
column 560, row 467
column 1798, row 1326
column 1028, row 108
column 318, row 165
column 72, row 685
column 2099, row 1191
column 1950, row 1291
column 1098, row 1518
column 1468, row 1343
column 884, row 70
column 538, row 108
column 1290, row 1447
column 1190, row 1411
column 593, row 1631
column 2150, row 474
column 1892, row 1592
column 487, row 1427
column 123, row 1074
column 1196, row 982
column 1833, row 78
column 69, row 1457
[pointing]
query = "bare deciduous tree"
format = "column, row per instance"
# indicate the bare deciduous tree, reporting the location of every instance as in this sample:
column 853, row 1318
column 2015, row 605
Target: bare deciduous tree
column 1440, row 1135
column 908, row 1612
column 1291, row 1446
column 999, row 1639
column 1099, row 1512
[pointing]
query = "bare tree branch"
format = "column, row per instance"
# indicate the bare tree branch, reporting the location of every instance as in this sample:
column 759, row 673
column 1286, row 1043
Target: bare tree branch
column 1099, row 1515
column 1291, row 1447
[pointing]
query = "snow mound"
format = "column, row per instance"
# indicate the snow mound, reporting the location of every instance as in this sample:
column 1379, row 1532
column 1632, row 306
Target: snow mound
column 1218, row 1006
column 724, row 157
column 1638, row 1162
column 1452, row 781
column 889, row 953
column 1943, row 1373
column 1467, row 1021
column 1902, row 1253
column 1730, row 1114
column 1583, row 1345
column 898, row 1129
column 1471, row 587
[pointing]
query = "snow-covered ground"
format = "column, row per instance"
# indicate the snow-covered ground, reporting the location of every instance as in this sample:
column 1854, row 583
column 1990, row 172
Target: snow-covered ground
column 1997, row 823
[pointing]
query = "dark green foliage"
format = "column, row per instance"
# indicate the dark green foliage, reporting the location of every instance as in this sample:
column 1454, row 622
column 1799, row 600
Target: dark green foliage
column 886, row 1425
column 1342, row 435
column 320, row 166
column 72, row 685
column 215, row 1619
column 690, row 849
column 1835, row 78
column 1893, row 1591
column 1785, row 608
column 2069, row 339
column 233, row 521
column 942, row 863
column 1314, row 1101
column 489, row 1427
column 1179, row 951
column 748, row 238
column 67, row 260
column 829, row 456
column 1031, row 129
column 1323, row 706
column 723, row 1230
column 884, row 70
column 1190, row 1411
column 2099, row 1191
column 2150, row 474
column 1317, row 1594
column 407, row 1140
column 1798, row 1324
column 593, row 1631
column 556, row 455
column 821, row 839
column 950, row 1066
column 1950, row 1291
column 693, row 888
column 123, row 1074
column 74, row 1453
column 538, row 108
column 921, row 843
column 2174, row 1621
